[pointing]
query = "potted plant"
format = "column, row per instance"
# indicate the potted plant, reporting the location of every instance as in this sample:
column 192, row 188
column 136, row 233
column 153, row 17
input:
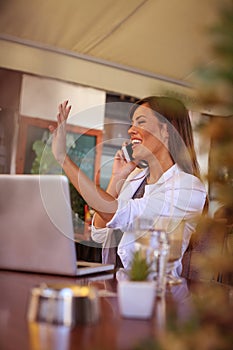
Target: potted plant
column 136, row 296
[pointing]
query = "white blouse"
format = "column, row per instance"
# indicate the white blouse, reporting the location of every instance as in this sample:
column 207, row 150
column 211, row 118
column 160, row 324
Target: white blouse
column 176, row 193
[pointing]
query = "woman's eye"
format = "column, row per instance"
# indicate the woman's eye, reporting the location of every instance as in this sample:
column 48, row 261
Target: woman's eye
column 140, row 122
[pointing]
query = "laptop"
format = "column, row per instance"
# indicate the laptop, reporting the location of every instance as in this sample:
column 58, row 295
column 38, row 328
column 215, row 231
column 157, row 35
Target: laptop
column 36, row 227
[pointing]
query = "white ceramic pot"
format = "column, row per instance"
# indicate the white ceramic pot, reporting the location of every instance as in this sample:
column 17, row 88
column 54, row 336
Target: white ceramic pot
column 136, row 299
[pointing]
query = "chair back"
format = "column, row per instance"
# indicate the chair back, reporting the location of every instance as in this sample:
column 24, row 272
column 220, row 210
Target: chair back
column 202, row 257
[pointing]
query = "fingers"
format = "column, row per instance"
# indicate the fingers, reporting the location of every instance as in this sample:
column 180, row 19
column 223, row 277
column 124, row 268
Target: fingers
column 64, row 111
column 59, row 118
column 119, row 155
column 125, row 143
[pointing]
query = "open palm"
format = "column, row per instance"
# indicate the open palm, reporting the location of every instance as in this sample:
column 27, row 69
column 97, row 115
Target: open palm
column 59, row 133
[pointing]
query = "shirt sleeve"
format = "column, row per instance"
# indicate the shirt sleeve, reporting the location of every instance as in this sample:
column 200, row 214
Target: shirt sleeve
column 98, row 234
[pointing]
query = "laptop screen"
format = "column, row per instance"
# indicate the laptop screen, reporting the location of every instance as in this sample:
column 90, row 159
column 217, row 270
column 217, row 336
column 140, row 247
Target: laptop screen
column 36, row 232
column 36, row 224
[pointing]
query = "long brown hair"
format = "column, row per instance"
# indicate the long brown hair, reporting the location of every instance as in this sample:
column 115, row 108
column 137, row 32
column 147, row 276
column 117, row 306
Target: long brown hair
column 181, row 145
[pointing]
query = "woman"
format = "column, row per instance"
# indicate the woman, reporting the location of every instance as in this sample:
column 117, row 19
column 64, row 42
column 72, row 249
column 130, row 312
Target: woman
column 161, row 135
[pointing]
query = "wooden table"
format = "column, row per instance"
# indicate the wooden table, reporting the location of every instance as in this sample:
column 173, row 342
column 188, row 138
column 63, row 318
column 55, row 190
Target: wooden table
column 111, row 332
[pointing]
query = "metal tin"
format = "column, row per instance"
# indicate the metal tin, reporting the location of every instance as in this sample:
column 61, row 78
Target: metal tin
column 64, row 305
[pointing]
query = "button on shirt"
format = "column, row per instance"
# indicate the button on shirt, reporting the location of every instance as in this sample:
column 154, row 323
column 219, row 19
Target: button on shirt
column 176, row 193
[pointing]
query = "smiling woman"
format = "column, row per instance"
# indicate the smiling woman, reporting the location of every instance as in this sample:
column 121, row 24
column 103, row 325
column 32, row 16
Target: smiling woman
column 149, row 138
column 161, row 134
column 175, row 129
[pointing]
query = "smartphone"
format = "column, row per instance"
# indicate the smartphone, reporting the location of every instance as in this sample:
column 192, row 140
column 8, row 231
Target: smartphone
column 128, row 154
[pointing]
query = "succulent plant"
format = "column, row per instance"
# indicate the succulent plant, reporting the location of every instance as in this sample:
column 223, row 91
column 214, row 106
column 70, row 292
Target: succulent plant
column 140, row 268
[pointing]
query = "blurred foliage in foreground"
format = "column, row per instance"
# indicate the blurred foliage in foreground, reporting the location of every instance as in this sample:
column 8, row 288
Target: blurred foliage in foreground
column 211, row 325
column 217, row 89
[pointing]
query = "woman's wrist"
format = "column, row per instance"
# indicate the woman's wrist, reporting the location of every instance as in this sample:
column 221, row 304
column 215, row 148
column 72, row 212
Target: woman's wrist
column 115, row 184
column 64, row 161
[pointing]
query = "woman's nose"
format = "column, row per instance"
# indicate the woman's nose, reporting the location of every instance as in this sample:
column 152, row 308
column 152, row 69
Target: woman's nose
column 132, row 130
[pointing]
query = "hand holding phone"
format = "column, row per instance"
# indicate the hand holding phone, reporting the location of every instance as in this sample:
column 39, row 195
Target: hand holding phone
column 128, row 154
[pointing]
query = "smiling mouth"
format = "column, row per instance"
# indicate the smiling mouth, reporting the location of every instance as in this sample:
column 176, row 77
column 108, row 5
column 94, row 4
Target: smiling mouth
column 136, row 142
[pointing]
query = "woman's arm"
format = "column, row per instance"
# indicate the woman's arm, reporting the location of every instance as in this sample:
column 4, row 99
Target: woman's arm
column 103, row 202
column 120, row 171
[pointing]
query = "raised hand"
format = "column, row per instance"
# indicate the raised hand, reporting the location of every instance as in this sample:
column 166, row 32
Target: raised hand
column 59, row 133
column 120, row 166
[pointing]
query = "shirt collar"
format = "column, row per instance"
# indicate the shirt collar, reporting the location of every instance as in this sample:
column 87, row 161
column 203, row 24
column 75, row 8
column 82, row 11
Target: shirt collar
column 168, row 174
